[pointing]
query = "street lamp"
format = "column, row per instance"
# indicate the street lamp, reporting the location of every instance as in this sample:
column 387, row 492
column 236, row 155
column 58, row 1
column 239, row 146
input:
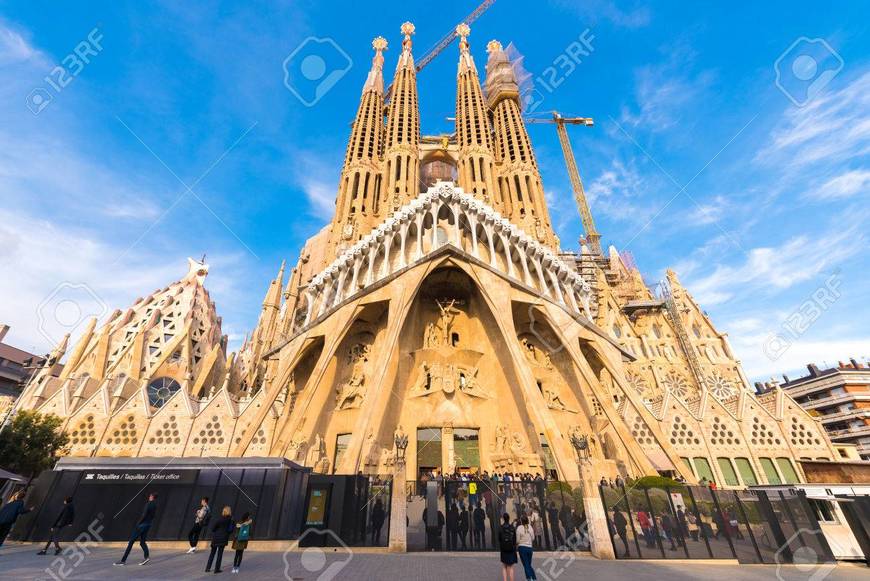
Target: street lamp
column 581, row 445
column 401, row 441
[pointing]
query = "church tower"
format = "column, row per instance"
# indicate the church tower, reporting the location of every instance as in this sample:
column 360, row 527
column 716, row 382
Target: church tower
column 472, row 127
column 358, row 199
column 401, row 157
column 519, row 181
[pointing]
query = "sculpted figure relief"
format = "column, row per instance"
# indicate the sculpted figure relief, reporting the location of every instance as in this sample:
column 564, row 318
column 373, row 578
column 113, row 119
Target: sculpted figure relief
column 553, row 400
column 316, row 451
column 351, row 393
column 440, row 334
column 436, row 377
column 501, row 439
column 517, row 445
column 535, row 355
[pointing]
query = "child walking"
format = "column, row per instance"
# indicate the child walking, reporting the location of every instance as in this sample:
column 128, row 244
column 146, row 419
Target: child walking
column 240, row 542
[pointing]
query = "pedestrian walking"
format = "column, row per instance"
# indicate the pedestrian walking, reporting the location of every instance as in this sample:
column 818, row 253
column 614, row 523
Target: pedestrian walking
column 553, row 519
column 140, row 531
column 463, row 527
column 667, row 526
column 240, row 541
column 379, row 515
column 537, row 524
column 220, row 536
column 64, row 519
column 525, row 546
column 507, row 542
column 479, row 534
column 620, row 524
column 452, row 527
column 200, row 520
column 692, row 525
column 10, row 513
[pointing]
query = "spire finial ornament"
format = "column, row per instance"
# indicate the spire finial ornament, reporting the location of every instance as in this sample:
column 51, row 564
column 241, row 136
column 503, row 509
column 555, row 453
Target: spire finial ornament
column 379, row 44
column 462, row 31
column 408, row 30
column 493, row 46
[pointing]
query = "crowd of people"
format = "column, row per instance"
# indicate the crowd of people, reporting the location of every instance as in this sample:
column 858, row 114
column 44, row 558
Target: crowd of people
column 675, row 529
column 476, row 503
column 225, row 530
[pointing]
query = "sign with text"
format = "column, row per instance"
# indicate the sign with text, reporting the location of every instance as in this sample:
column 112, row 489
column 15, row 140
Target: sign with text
column 141, row 477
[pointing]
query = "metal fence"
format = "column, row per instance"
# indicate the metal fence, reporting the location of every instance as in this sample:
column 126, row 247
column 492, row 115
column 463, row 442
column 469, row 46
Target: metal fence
column 695, row 522
column 465, row 515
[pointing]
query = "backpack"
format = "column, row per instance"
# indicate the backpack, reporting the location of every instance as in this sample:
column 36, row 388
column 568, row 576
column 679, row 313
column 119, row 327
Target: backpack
column 244, row 533
column 507, row 538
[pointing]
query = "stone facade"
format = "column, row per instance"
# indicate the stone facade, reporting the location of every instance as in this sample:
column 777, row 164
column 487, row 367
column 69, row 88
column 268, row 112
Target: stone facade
column 446, row 310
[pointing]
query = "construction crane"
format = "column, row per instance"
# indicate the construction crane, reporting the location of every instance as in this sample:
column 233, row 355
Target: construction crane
column 673, row 313
column 444, row 42
column 592, row 236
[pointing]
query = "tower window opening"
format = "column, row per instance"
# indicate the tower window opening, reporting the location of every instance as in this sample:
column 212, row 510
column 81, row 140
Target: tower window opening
column 454, row 339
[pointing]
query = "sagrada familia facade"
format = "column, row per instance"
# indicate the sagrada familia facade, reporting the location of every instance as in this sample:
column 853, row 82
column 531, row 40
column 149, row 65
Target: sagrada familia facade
column 439, row 302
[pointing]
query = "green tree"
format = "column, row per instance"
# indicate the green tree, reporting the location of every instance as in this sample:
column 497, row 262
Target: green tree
column 31, row 443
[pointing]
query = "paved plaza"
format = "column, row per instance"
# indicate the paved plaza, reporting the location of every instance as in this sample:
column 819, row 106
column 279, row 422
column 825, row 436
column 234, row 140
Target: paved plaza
column 19, row 561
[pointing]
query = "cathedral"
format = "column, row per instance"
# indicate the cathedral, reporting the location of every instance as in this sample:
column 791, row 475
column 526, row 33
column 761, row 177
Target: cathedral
column 439, row 303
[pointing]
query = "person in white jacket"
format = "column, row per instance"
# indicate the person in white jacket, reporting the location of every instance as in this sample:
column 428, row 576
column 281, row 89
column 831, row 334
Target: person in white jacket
column 525, row 541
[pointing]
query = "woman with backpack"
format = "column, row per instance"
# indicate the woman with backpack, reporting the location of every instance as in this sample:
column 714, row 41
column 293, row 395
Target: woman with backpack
column 220, row 536
column 507, row 540
column 525, row 544
column 240, row 542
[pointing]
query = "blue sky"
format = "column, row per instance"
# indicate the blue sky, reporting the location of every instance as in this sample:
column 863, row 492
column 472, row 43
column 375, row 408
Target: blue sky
column 697, row 161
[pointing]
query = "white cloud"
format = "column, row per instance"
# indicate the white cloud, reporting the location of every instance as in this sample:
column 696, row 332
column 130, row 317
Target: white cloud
column 768, row 269
column 663, row 91
column 635, row 16
column 833, row 127
column 59, row 272
column 844, row 186
column 320, row 195
column 62, row 276
column 14, row 48
column 708, row 212
column 749, row 348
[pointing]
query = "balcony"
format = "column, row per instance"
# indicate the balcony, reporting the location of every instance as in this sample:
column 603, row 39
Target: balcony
column 850, row 433
column 856, row 414
column 834, row 400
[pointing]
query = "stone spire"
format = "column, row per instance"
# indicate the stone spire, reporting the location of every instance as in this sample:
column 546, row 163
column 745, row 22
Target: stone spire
column 168, row 333
column 358, row 198
column 472, row 128
column 401, row 157
column 519, row 182
column 375, row 80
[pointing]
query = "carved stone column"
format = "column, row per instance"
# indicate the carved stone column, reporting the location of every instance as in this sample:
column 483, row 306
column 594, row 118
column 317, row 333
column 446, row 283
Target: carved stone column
column 447, row 450
column 398, row 500
column 596, row 518
column 398, row 510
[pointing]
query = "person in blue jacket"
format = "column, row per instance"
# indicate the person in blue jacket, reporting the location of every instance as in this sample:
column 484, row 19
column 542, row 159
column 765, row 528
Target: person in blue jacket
column 10, row 513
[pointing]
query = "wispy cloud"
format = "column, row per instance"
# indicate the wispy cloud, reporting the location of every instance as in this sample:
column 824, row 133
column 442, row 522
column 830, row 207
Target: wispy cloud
column 834, row 127
column 14, row 48
column 622, row 13
column 843, row 186
column 664, row 90
column 775, row 268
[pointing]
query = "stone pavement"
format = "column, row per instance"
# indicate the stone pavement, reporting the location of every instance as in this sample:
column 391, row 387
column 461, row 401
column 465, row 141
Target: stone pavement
column 19, row 561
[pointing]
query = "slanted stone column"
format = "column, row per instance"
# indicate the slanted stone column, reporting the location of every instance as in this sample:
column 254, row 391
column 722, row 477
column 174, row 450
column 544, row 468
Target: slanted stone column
column 596, row 518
